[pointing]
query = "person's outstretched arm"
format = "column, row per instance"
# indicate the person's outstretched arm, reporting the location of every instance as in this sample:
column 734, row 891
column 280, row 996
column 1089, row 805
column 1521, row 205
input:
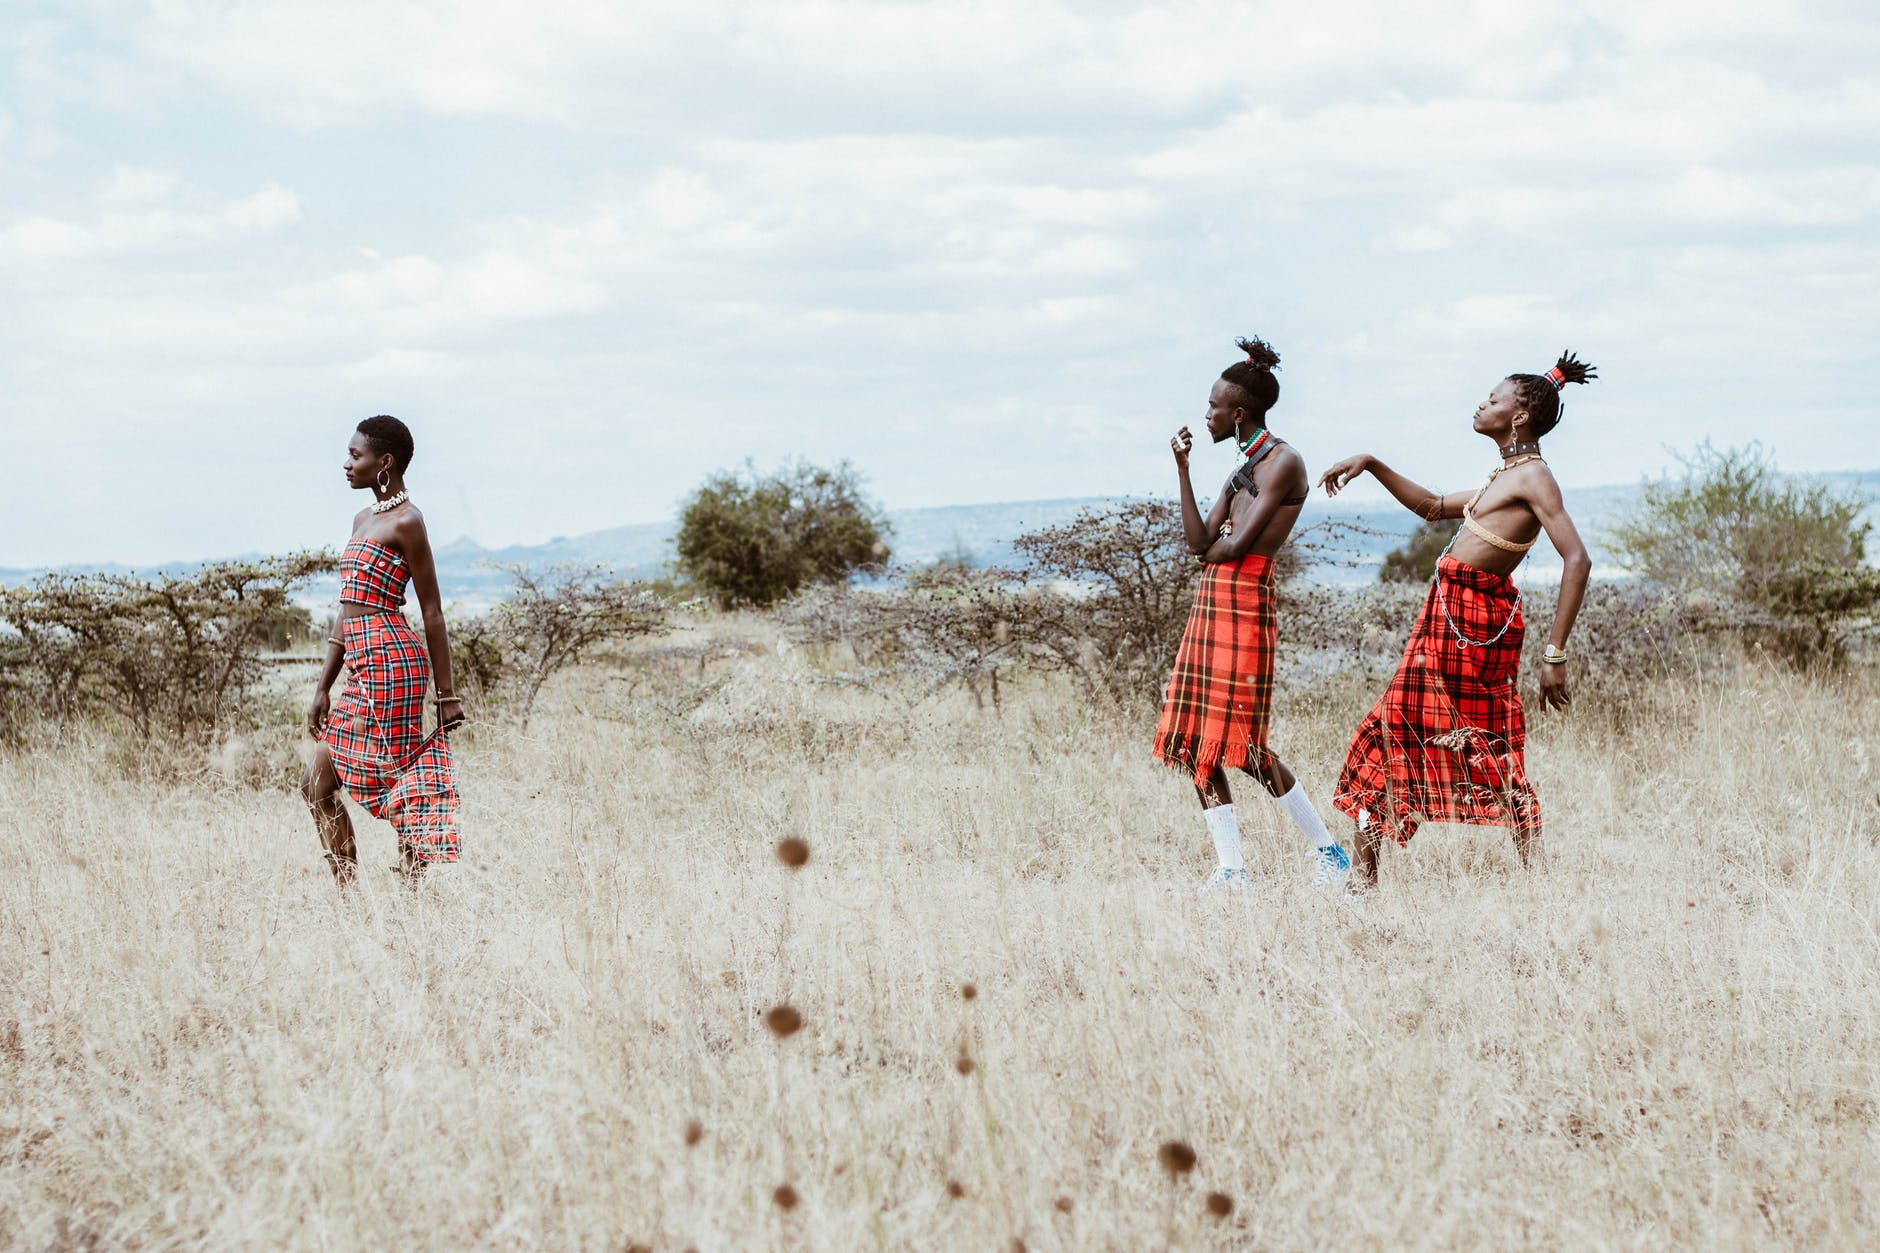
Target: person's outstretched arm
column 1415, row 497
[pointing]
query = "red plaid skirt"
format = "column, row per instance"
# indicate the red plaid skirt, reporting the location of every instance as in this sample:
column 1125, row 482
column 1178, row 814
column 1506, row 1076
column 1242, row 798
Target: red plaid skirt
column 1220, row 697
column 375, row 734
column 1446, row 741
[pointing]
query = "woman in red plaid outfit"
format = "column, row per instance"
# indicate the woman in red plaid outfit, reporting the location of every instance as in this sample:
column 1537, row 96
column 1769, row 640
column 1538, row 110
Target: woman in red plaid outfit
column 1447, row 740
column 372, row 739
column 1220, row 696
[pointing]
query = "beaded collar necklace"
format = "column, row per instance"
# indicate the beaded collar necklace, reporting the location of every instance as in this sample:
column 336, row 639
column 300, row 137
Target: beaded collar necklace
column 391, row 502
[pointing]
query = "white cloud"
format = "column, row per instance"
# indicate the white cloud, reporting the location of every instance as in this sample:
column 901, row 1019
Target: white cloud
column 987, row 250
column 143, row 212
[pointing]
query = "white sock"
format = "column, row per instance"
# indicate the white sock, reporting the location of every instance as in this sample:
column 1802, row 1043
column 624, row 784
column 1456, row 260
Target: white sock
column 1225, row 828
column 1298, row 807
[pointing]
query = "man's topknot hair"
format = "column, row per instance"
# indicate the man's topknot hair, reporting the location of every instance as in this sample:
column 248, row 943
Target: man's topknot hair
column 1254, row 376
column 387, row 434
column 1537, row 394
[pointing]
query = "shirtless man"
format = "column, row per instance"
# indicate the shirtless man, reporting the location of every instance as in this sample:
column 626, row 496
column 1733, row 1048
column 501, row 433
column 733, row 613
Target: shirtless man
column 1446, row 742
column 1220, row 697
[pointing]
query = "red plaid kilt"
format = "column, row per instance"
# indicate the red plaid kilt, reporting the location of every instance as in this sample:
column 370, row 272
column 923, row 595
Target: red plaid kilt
column 1446, row 741
column 375, row 734
column 1220, row 697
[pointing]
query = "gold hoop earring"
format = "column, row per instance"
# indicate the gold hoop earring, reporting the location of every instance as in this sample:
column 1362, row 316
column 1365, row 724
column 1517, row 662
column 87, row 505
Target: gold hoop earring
column 385, row 481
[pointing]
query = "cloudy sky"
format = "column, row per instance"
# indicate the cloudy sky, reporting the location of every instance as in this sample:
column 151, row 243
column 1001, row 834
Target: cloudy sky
column 592, row 250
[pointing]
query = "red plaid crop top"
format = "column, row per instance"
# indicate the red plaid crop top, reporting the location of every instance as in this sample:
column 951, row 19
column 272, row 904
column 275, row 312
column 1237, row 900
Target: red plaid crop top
column 374, row 575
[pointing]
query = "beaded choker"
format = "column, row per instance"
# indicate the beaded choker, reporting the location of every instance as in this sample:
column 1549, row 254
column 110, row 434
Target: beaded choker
column 1258, row 437
column 391, row 502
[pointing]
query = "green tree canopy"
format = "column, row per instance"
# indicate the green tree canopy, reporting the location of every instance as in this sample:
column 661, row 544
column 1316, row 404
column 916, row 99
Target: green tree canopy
column 1785, row 554
column 751, row 539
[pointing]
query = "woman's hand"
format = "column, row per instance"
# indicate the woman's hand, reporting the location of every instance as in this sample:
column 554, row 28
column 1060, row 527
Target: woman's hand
column 1340, row 476
column 449, row 712
column 316, row 713
column 1554, row 686
column 1180, row 445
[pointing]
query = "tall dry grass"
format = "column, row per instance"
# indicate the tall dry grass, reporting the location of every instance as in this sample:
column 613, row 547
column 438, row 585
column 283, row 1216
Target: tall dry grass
column 1671, row 1037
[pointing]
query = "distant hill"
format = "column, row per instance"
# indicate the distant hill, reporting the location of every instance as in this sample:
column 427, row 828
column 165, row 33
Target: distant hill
column 982, row 535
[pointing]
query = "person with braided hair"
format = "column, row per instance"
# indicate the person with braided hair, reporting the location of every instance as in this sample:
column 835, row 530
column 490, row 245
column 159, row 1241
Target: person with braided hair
column 1447, row 740
column 1219, row 698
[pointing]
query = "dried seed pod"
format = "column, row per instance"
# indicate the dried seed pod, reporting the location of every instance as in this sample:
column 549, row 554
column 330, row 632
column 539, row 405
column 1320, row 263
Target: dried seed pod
column 694, row 1132
column 783, row 1022
column 1220, row 1204
column 785, row 1197
column 793, row 852
column 968, row 991
column 1176, row 1157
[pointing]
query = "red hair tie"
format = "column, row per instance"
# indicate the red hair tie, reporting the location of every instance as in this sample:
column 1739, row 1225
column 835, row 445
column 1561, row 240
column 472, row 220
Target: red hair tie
column 1557, row 377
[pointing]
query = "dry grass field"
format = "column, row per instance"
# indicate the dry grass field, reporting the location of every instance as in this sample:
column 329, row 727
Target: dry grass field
column 1669, row 1038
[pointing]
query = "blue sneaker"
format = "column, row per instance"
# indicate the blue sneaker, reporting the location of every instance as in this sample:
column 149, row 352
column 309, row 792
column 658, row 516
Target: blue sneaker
column 1330, row 866
column 1226, row 880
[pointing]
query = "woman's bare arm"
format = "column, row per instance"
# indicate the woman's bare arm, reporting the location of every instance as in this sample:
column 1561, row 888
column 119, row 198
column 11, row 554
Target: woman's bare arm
column 417, row 548
column 1415, row 497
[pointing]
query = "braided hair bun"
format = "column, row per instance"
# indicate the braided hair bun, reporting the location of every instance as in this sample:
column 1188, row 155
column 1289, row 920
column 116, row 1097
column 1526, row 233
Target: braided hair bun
column 1539, row 394
column 1254, row 376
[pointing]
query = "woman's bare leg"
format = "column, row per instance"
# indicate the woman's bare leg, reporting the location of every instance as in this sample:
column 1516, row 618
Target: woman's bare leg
column 1365, row 851
column 320, row 786
column 1528, row 846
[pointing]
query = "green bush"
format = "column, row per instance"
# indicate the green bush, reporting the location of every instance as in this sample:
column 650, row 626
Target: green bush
column 1415, row 562
column 1784, row 558
column 750, row 539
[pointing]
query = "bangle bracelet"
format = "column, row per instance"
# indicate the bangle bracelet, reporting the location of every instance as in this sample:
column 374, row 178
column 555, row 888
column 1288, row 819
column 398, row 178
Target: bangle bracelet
column 334, row 640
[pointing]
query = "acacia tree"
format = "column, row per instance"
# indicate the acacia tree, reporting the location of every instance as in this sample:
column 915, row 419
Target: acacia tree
column 751, row 539
column 1128, row 579
column 553, row 619
column 173, row 654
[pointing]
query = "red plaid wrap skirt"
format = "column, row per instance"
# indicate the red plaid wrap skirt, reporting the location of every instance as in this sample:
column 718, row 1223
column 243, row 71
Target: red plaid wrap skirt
column 1446, row 742
column 375, row 734
column 1220, row 697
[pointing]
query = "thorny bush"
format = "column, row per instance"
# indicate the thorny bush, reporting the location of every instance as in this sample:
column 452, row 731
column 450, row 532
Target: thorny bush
column 553, row 619
column 175, row 655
